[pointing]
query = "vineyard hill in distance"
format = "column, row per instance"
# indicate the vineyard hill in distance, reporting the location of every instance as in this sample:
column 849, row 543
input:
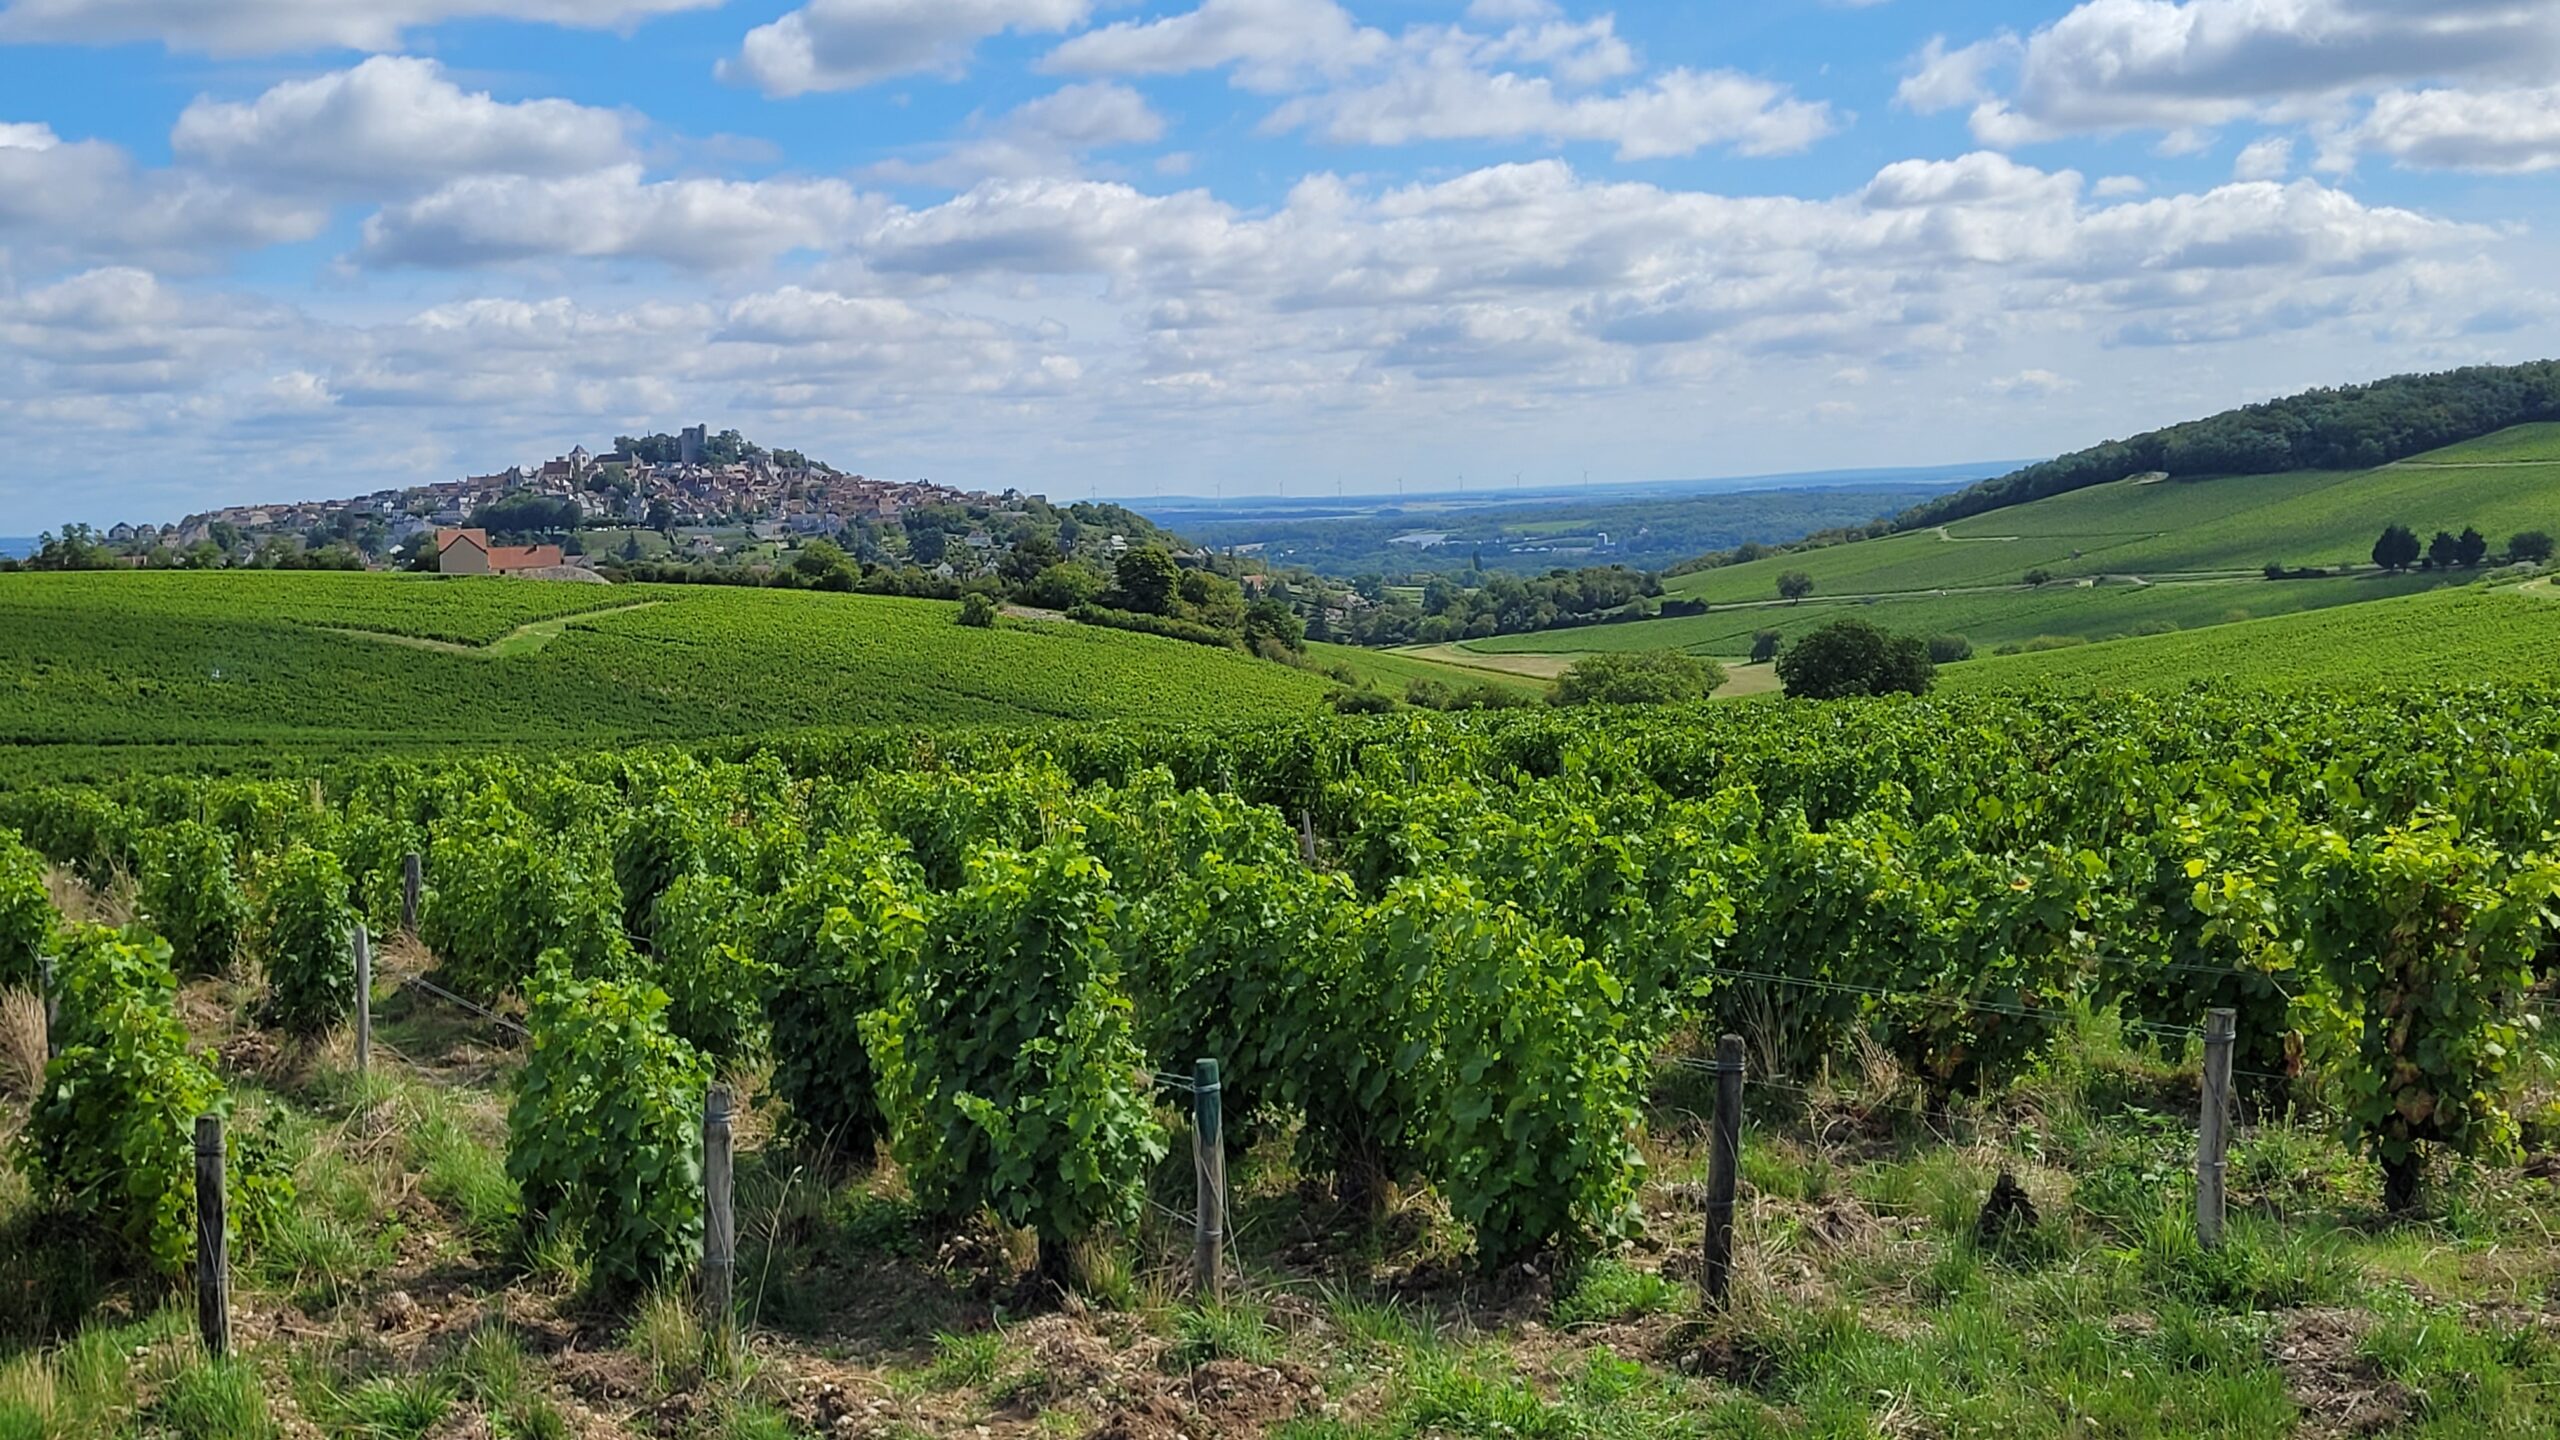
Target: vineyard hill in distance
column 2145, row 561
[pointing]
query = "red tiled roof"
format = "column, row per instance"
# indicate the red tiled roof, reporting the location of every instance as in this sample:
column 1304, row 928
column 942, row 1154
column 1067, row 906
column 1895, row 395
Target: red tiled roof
column 524, row 557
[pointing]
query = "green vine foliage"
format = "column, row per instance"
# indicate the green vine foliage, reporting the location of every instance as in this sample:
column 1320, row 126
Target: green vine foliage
column 507, row 892
column 110, row 1140
column 604, row 1126
column 706, row 962
column 2430, row 943
column 372, row 847
column 2205, row 931
column 88, row 830
column 26, row 911
column 1012, row 1073
column 306, row 935
column 837, row 942
column 193, row 898
column 1533, row 1078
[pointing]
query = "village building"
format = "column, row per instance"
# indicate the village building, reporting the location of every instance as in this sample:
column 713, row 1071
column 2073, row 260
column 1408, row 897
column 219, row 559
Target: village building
column 468, row 552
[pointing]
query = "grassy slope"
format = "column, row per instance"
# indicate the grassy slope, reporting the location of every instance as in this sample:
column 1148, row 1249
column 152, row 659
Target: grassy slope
column 1391, row 672
column 2469, row 633
column 248, row 658
column 1986, row 618
column 2227, row 527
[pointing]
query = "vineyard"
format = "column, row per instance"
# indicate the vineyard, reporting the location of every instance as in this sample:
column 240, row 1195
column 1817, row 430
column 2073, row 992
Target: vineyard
column 196, row 673
column 1461, row 977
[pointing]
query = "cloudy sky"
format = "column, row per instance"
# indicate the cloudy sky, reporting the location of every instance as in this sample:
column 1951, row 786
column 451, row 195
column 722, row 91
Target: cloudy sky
column 263, row 249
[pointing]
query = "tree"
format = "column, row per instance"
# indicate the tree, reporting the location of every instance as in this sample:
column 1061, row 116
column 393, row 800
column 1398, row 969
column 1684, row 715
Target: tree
column 662, row 517
column 1794, row 585
column 1948, row 649
column 1029, row 556
column 1854, row 657
column 978, row 610
column 1147, row 578
column 2530, row 547
column 1764, row 645
column 2443, row 550
column 2397, row 549
column 1643, row 677
column 2471, row 547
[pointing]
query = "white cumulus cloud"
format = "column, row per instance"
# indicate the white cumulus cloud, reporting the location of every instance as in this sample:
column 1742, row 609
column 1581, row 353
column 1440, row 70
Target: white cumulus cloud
column 394, row 123
column 259, row 27
column 845, row 44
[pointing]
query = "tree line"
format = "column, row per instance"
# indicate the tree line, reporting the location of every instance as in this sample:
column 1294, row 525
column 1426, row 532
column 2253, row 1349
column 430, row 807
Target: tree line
column 2353, row 427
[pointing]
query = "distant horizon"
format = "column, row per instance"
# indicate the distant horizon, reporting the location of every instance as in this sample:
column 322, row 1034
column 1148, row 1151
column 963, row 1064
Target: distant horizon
column 1501, row 493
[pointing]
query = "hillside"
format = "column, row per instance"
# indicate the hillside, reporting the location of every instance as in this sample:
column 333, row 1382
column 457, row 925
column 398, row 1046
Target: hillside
column 2345, row 428
column 2468, row 634
column 312, row 661
column 2158, row 553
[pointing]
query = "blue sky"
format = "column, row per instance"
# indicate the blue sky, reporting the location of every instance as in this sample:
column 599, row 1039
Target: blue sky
column 276, row 248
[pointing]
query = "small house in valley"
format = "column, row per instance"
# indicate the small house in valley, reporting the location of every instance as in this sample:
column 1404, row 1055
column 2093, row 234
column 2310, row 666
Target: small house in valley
column 468, row 552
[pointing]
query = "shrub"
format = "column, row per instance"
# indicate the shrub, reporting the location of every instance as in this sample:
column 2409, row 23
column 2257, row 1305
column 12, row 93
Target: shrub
column 306, row 937
column 978, row 610
column 1948, row 649
column 1647, row 677
column 604, row 1126
column 1008, row 1061
column 111, row 1138
column 2530, row 547
column 26, row 911
column 836, row 939
column 190, row 895
column 1854, row 657
column 1764, row 646
column 1347, row 701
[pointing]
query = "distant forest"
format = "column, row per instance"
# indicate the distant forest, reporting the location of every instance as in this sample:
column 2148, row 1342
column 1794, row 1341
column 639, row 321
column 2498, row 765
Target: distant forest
column 2354, row 427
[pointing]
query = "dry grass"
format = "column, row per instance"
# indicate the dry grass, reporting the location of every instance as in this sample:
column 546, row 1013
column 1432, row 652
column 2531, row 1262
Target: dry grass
column 111, row 905
column 21, row 1042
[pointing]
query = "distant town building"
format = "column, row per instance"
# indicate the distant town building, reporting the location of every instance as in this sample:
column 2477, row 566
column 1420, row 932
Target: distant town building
column 689, row 445
column 468, row 552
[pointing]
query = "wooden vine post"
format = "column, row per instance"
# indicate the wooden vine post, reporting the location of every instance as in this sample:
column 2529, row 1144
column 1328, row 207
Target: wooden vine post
column 1724, row 1167
column 52, row 1008
column 413, row 877
column 1209, row 1161
column 719, row 1220
column 213, row 1245
column 364, row 1001
column 2213, row 1132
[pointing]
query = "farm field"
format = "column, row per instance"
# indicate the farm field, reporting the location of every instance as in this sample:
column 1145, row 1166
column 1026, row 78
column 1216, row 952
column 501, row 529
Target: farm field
column 2228, row 524
column 1390, row 671
column 258, row 661
column 1987, row 618
column 2474, row 632
column 1465, row 1094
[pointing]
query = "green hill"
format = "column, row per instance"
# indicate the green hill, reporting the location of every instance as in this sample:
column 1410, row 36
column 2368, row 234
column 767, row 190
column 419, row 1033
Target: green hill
column 261, row 660
column 2350, row 427
column 2472, row 633
column 2156, row 553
